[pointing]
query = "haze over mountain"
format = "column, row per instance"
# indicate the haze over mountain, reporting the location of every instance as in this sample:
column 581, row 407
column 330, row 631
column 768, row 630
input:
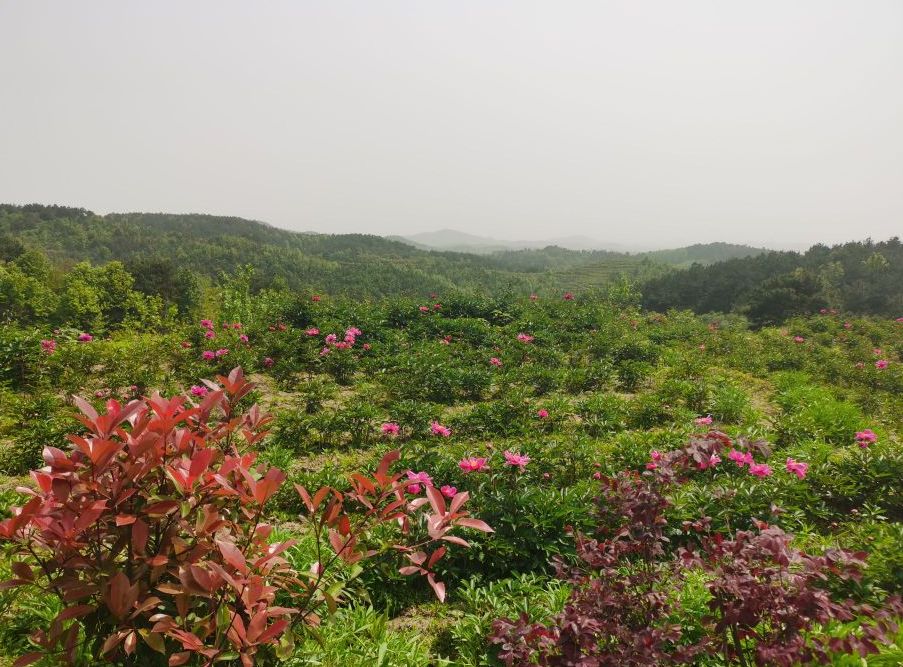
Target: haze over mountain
column 453, row 239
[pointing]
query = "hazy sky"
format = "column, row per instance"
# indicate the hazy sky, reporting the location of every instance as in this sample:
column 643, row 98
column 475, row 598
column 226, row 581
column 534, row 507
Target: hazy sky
column 767, row 121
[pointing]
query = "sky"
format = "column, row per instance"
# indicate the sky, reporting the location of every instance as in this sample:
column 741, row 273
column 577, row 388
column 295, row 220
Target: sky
column 637, row 122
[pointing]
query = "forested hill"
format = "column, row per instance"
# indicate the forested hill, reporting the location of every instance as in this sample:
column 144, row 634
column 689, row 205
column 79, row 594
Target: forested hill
column 354, row 264
column 858, row 277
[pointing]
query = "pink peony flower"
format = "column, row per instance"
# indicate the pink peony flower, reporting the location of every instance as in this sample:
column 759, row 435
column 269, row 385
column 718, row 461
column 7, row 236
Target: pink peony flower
column 197, row 390
column 865, row 437
column 568, row 296
column 533, row 297
column 448, row 491
column 542, row 414
column 48, row 346
column 878, row 352
column 280, row 326
column 236, row 325
column 243, row 338
column 799, row 339
column 516, row 459
column 208, row 354
column 702, row 346
column 437, row 306
column 207, row 324
column 268, row 362
column 881, row 364
column 85, row 338
column 210, row 334
column 860, row 365
column 331, row 338
column 325, row 351
column 366, row 346
column 652, row 465
column 847, row 325
column 413, row 488
column 439, row 429
column 704, row 420
column 524, row 338
column 420, row 478
column 740, row 458
column 424, row 309
column 391, row 428
column 312, row 332
column 353, row 331
column 797, row 468
column 597, row 475
column 760, row 469
column 316, row 298
column 222, row 352
column 495, row 361
column 185, row 344
column 444, row 341
column 472, row 464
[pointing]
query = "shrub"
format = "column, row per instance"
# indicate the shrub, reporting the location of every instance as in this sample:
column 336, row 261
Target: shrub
column 151, row 534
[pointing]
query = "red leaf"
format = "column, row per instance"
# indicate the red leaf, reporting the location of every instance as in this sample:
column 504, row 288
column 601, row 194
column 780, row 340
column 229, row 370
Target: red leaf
column 438, row 587
column 177, row 659
column 476, row 524
column 232, row 555
column 27, row 659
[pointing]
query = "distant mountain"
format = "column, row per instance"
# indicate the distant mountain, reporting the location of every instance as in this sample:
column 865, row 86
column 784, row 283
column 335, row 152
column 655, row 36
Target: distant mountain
column 454, row 240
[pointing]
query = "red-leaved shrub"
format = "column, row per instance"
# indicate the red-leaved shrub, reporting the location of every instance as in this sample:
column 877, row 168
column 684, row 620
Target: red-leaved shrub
column 152, row 534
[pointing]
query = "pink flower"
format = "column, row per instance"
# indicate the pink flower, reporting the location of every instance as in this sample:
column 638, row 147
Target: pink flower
column 702, row 346
column 236, row 325
column 134, row 387
column 652, row 465
column 542, row 414
column 597, row 475
column 331, row 338
column 222, row 352
column 268, row 362
column 366, row 346
column 210, row 334
column 799, row 339
column 208, row 354
column 448, row 491
column 516, row 459
column 823, row 311
column 341, row 346
column 207, row 324
column 439, row 429
column 568, row 296
column 797, row 468
column 48, row 346
column 444, row 341
column 225, row 325
column 714, row 460
column 413, row 488
column 243, row 338
column 760, row 469
column 185, row 344
column 85, row 338
column 703, row 420
column 847, row 325
column 878, row 352
column 866, row 437
column 353, row 331
column 881, row 364
column 741, row 458
column 312, row 332
column 391, row 428
column 197, row 390
column 349, row 339
column 533, row 297
column 316, row 298
column 424, row 309
column 524, row 338
column 860, row 365
column 98, row 393
column 784, row 332
column 437, row 306
column 280, row 326
column 495, row 361
column 472, row 464
column 325, row 351
column 420, row 478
